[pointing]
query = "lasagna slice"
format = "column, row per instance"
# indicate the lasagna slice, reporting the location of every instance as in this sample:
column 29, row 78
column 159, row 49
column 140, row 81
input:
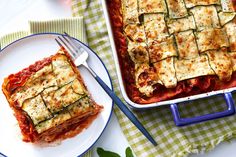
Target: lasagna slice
column 50, row 100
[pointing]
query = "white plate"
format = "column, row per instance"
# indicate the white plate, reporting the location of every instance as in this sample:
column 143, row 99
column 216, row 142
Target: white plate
column 21, row 54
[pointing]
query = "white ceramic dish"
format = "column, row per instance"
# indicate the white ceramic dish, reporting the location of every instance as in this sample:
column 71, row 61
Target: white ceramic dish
column 178, row 120
column 121, row 83
column 21, row 54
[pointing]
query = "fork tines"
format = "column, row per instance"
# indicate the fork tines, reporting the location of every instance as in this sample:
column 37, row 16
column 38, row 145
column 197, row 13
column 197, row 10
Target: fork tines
column 68, row 43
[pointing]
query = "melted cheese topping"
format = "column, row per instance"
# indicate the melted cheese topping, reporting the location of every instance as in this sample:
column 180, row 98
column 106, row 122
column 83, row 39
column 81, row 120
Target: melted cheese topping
column 161, row 50
column 205, row 16
column 186, row 69
column 53, row 122
column 135, row 32
column 145, row 78
column 155, row 26
column 226, row 17
column 64, row 96
column 218, row 8
column 227, row 5
column 220, row 62
column 152, row 6
column 36, row 109
column 187, row 46
column 166, row 72
column 39, row 81
column 80, row 107
column 138, row 52
column 211, row 39
column 130, row 11
column 182, row 24
column 231, row 34
column 63, row 71
column 192, row 3
column 233, row 59
column 78, row 87
column 180, row 39
column 176, row 8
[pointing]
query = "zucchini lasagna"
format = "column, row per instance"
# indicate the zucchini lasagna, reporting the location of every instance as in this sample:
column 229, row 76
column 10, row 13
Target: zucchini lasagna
column 50, row 100
column 169, row 49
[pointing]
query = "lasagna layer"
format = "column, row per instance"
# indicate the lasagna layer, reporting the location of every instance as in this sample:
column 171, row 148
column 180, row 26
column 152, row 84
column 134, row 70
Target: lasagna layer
column 49, row 99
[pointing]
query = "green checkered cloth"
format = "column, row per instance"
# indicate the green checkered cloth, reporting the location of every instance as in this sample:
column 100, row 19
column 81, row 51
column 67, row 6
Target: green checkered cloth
column 73, row 26
column 172, row 140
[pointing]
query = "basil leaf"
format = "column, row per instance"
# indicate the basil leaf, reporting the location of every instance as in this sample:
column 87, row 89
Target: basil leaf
column 128, row 152
column 104, row 153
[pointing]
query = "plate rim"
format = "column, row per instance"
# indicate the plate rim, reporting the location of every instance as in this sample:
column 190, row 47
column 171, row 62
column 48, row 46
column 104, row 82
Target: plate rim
column 59, row 34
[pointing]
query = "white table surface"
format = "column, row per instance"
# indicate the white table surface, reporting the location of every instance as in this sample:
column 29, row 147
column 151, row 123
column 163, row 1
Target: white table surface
column 14, row 16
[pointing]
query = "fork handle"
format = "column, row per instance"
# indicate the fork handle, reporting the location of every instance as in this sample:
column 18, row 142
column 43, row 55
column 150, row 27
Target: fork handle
column 125, row 110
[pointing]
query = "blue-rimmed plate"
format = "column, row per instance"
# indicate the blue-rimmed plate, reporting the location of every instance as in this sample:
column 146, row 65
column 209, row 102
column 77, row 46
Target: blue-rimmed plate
column 24, row 52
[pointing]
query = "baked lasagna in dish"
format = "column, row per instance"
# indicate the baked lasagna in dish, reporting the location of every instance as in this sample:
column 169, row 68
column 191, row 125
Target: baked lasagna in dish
column 169, row 49
column 50, row 100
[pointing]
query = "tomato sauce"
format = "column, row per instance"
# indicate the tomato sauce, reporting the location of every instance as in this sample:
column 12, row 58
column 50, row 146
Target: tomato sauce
column 18, row 79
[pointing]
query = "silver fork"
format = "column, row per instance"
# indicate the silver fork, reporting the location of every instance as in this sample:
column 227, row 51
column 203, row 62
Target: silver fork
column 80, row 56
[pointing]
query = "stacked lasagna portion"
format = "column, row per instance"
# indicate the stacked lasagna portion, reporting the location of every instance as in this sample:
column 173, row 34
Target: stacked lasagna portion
column 50, row 100
column 175, row 40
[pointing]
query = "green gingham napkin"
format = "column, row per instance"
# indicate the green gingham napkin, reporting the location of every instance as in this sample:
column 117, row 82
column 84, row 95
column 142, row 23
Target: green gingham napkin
column 172, row 140
column 73, row 26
